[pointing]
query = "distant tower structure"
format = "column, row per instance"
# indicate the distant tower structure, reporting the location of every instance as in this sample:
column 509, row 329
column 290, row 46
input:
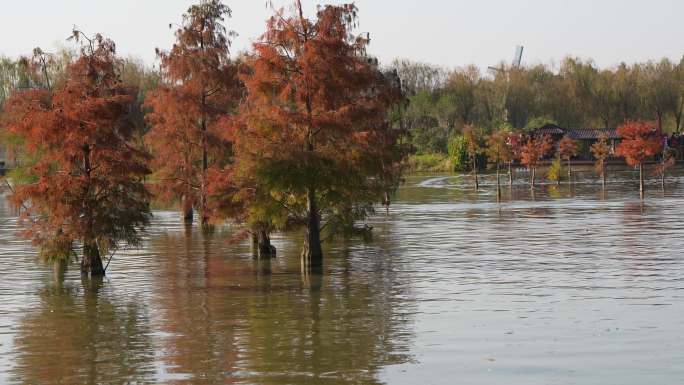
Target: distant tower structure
column 517, row 59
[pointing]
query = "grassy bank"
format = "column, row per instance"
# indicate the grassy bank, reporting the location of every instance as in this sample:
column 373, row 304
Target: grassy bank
column 430, row 163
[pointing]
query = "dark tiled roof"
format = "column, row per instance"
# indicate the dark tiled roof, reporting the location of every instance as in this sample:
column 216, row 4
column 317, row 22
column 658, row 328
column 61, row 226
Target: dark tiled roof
column 550, row 129
column 577, row 133
column 593, row 133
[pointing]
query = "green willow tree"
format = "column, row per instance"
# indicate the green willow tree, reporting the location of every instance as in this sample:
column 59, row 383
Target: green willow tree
column 317, row 137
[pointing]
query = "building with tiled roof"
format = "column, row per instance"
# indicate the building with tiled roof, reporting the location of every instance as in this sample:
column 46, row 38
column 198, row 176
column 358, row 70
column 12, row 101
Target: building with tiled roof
column 593, row 133
column 584, row 136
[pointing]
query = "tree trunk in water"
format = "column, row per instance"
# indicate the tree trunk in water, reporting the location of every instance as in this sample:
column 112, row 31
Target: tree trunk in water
column 59, row 268
column 532, row 172
column 603, row 181
column 204, row 216
column 264, row 248
column 641, row 180
column 91, row 263
column 477, row 182
column 678, row 117
column 498, row 184
column 603, row 176
column 662, row 179
column 510, row 175
column 312, row 255
column 569, row 171
column 203, row 210
column 188, row 212
column 386, row 201
column 255, row 244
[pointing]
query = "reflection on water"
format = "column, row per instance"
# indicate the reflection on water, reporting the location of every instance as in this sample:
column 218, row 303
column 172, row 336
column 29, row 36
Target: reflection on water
column 566, row 284
column 79, row 334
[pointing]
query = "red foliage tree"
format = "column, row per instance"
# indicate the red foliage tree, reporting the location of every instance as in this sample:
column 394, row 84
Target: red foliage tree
column 601, row 151
column 200, row 86
column 640, row 141
column 88, row 181
column 567, row 148
column 533, row 151
column 498, row 152
column 316, row 135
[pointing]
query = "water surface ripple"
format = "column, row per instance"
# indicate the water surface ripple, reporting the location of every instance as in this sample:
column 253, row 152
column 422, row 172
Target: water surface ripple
column 563, row 285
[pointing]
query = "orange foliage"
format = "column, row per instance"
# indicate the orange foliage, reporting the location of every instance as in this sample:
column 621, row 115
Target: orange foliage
column 89, row 176
column 315, row 135
column 473, row 141
column 535, row 149
column 200, row 87
column 601, row 151
column 567, row 147
column 640, row 141
column 498, row 150
column 515, row 142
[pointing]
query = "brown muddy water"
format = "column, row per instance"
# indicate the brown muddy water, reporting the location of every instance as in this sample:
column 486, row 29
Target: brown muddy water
column 566, row 285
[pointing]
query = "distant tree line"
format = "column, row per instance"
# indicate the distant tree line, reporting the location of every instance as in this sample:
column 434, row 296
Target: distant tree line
column 575, row 94
column 47, row 70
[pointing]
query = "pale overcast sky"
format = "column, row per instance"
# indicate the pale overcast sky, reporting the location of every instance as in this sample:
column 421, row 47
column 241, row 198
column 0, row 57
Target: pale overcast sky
column 446, row 32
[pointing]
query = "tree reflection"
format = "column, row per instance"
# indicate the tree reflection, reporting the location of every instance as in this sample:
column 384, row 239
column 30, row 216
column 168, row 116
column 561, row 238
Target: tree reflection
column 197, row 319
column 81, row 335
column 229, row 318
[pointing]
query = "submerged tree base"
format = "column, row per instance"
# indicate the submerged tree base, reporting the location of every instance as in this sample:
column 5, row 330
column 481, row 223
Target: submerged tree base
column 91, row 263
column 188, row 216
column 261, row 245
column 264, row 248
column 311, row 258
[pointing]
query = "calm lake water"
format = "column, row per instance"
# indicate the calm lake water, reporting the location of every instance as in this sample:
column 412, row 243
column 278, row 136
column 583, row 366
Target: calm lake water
column 563, row 286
